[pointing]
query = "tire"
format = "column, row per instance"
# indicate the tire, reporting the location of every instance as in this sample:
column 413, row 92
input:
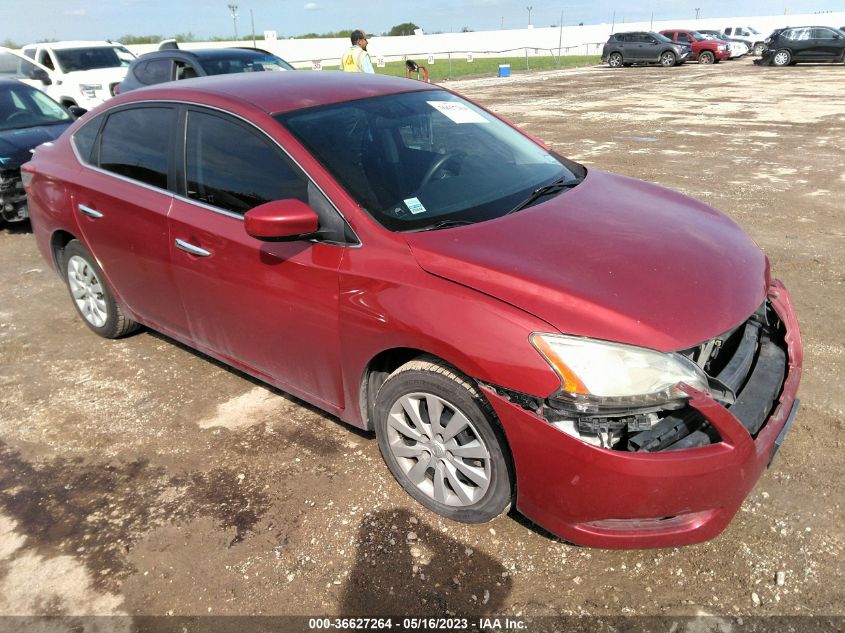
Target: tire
column 758, row 49
column 707, row 58
column 615, row 60
column 422, row 455
column 90, row 294
column 782, row 58
column 668, row 59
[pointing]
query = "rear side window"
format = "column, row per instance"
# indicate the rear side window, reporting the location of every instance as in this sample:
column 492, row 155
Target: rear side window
column 84, row 137
column 797, row 34
column 136, row 143
column 155, row 71
column 232, row 167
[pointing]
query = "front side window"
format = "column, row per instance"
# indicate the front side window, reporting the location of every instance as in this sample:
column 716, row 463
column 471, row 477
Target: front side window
column 136, row 143
column 417, row 159
column 45, row 60
column 683, row 37
column 232, row 167
column 22, row 106
column 823, row 34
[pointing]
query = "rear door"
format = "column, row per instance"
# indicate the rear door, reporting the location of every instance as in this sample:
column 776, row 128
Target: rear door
column 801, row 43
column 122, row 201
column 270, row 307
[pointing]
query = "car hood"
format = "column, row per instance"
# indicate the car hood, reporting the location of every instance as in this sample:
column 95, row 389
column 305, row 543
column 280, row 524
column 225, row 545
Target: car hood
column 97, row 75
column 613, row 258
column 15, row 144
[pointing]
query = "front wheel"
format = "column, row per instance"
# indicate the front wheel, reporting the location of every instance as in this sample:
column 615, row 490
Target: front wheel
column 668, row 59
column 442, row 443
column 782, row 58
column 91, row 296
column 707, row 58
column 615, row 60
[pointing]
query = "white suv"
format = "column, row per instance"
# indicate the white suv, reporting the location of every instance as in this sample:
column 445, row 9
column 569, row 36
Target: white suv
column 82, row 73
column 756, row 41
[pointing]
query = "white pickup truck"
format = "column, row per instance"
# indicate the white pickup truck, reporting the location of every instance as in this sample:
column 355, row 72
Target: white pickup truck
column 755, row 39
column 82, row 73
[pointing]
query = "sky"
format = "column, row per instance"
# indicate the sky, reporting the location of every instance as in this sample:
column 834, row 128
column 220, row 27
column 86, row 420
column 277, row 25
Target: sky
column 24, row 21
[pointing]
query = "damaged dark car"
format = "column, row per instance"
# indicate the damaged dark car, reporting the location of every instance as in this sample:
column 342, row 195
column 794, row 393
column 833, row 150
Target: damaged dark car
column 28, row 118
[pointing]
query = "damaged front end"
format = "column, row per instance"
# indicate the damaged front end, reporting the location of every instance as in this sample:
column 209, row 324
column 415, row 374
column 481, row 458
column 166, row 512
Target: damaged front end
column 12, row 196
column 743, row 371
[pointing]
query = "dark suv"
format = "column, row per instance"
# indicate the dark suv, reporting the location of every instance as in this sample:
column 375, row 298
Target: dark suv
column 805, row 44
column 173, row 64
column 641, row 47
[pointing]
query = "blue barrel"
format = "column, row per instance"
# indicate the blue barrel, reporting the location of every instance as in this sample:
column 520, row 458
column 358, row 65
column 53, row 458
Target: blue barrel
column 504, row 70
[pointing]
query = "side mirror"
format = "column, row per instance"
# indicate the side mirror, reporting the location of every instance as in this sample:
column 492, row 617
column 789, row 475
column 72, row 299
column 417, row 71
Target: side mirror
column 280, row 220
column 76, row 111
column 39, row 74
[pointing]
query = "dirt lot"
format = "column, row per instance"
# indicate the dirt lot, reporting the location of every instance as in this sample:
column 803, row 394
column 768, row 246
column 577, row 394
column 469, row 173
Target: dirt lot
column 138, row 477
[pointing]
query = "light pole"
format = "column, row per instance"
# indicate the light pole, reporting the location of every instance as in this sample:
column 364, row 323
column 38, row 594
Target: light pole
column 696, row 13
column 529, row 9
column 233, row 10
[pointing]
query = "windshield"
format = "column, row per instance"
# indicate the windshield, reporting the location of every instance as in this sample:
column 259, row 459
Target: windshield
column 74, row 59
column 419, row 159
column 22, row 106
column 242, row 63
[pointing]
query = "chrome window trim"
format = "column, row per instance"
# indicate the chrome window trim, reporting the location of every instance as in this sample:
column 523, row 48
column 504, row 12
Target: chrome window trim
column 357, row 244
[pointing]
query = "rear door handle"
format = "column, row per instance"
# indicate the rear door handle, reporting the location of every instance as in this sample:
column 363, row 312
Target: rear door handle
column 190, row 248
column 91, row 213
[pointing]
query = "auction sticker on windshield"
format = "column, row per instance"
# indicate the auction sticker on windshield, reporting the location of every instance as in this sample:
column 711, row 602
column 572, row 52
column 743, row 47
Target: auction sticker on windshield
column 457, row 112
column 414, row 206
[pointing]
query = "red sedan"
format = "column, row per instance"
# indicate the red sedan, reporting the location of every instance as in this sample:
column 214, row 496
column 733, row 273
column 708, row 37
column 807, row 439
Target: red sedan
column 704, row 50
column 610, row 356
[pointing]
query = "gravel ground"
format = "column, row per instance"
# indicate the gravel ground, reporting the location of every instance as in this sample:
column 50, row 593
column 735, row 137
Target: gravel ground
column 139, row 477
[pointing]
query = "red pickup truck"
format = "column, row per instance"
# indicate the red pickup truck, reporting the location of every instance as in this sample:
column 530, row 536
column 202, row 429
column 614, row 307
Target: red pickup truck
column 704, row 50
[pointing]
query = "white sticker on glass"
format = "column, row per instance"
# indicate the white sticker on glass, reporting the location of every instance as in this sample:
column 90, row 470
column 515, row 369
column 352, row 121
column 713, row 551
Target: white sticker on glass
column 457, row 112
column 414, row 206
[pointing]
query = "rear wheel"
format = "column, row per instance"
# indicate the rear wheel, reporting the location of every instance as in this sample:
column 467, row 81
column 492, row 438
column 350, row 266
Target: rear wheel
column 441, row 441
column 759, row 48
column 615, row 60
column 707, row 58
column 782, row 58
column 668, row 59
column 91, row 296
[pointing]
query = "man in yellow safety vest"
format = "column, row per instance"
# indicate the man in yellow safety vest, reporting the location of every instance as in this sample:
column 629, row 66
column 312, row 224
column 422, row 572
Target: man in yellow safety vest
column 357, row 59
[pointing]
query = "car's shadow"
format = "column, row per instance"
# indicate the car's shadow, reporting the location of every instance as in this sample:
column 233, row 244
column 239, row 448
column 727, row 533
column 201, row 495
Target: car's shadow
column 15, row 228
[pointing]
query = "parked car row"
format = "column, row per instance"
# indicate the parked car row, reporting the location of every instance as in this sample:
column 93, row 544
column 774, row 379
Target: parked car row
column 674, row 47
column 46, row 86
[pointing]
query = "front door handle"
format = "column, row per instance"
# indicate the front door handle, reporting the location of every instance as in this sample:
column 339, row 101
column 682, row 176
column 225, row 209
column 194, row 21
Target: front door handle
column 190, row 248
column 91, row 213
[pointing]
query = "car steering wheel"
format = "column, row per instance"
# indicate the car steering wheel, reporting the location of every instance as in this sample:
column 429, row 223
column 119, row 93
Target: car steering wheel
column 437, row 165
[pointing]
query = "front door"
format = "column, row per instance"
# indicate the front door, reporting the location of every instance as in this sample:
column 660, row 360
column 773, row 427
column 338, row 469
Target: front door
column 122, row 201
column 269, row 307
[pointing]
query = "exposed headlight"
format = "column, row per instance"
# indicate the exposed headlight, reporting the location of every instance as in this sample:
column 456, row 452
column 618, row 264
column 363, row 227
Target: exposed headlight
column 598, row 375
column 722, row 47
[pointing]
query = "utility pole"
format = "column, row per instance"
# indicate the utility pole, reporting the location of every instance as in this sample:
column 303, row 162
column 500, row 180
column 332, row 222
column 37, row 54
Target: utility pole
column 529, row 9
column 233, row 10
column 613, row 26
column 651, row 24
column 696, row 13
column 252, row 23
column 502, row 27
column 560, row 38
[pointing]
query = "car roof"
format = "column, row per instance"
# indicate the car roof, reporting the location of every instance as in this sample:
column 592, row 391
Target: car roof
column 207, row 53
column 278, row 92
column 73, row 44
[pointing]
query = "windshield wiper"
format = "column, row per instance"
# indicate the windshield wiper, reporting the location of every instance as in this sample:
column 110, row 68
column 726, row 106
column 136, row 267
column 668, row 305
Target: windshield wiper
column 547, row 190
column 443, row 224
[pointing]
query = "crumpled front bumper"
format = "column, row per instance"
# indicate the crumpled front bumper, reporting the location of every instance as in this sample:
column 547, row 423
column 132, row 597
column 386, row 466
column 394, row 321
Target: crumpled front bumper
column 613, row 499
